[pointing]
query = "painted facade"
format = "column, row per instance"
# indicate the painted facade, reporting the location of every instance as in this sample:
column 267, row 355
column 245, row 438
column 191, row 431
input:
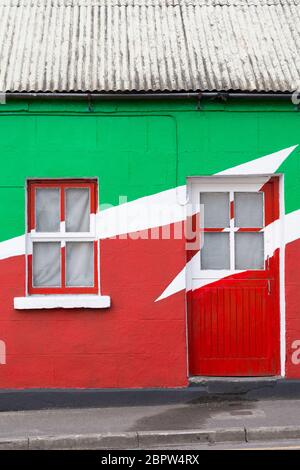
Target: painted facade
column 142, row 155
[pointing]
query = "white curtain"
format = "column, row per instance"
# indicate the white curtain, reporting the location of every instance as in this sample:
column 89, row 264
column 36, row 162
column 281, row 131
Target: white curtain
column 77, row 210
column 79, row 264
column 47, row 209
column 47, row 255
column 46, row 264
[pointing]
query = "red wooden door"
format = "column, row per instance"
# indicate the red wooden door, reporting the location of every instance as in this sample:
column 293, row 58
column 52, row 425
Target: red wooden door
column 233, row 305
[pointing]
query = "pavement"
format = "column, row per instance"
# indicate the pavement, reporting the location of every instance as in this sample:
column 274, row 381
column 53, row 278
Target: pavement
column 210, row 422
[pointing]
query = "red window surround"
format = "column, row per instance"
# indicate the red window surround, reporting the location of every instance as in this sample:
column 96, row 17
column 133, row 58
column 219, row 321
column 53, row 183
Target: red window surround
column 62, row 237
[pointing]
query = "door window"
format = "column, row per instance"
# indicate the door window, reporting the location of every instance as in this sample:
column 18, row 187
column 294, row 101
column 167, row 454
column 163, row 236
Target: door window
column 233, row 230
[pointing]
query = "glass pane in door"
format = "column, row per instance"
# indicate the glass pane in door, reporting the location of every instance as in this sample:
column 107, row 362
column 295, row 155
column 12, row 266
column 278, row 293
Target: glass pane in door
column 248, row 210
column 215, row 252
column 249, row 250
column 216, row 209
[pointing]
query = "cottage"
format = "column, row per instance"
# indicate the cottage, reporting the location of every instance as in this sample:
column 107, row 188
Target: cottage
column 150, row 191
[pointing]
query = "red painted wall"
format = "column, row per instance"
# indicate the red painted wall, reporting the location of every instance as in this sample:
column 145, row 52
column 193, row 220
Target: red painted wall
column 292, row 288
column 136, row 343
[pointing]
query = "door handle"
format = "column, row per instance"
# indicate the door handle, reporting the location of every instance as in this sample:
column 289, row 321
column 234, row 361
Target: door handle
column 269, row 287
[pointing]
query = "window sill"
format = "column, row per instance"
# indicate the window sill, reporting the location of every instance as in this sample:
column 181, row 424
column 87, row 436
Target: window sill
column 61, row 301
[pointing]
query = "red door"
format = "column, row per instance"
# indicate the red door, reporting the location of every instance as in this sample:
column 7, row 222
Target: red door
column 233, row 303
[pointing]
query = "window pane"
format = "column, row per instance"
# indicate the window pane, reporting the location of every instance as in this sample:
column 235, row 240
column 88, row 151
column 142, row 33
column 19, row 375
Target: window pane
column 77, row 210
column 46, row 264
column 216, row 209
column 80, row 264
column 215, row 251
column 47, row 210
column 249, row 251
column 248, row 208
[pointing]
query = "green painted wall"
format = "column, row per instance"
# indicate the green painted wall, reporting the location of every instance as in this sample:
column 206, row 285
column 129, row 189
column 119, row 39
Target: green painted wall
column 137, row 149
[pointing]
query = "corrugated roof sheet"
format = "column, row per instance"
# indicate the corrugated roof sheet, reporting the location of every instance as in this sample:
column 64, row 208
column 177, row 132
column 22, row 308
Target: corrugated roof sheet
column 120, row 45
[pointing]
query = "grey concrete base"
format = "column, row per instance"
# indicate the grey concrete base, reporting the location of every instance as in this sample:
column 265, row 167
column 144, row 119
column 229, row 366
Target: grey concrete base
column 145, row 439
column 200, row 389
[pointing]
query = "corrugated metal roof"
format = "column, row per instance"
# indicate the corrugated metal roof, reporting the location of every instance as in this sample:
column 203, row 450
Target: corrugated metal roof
column 119, row 45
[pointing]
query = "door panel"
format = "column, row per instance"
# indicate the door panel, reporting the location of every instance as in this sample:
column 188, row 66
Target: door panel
column 234, row 303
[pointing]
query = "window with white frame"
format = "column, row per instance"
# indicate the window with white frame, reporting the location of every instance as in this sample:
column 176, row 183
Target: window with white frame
column 62, row 247
column 233, row 229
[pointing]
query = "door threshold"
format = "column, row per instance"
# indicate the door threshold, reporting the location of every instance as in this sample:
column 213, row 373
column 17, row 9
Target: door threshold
column 205, row 380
